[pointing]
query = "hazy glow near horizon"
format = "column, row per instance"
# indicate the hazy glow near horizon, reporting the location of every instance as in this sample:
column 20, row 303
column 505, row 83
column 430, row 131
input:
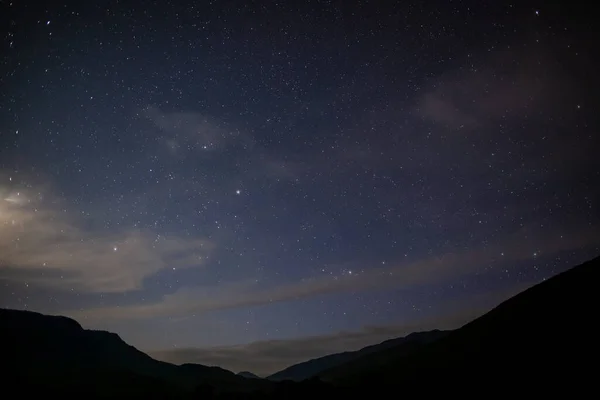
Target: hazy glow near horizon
column 285, row 178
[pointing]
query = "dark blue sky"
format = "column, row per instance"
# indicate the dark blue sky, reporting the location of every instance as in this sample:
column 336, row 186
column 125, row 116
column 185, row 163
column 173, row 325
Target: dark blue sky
column 323, row 176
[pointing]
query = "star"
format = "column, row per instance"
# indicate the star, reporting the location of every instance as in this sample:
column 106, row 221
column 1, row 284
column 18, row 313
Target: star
column 352, row 160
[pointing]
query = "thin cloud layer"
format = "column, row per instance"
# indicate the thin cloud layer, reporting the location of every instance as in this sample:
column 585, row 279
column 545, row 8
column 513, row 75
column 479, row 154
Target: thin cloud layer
column 194, row 131
column 267, row 357
column 42, row 244
column 510, row 83
column 196, row 300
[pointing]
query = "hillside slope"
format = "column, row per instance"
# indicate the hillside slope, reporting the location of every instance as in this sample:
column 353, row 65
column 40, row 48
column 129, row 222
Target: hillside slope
column 310, row 368
column 541, row 336
column 249, row 375
column 55, row 353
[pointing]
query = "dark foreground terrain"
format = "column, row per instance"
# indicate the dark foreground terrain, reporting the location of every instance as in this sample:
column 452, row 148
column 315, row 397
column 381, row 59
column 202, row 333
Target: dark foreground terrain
column 539, row 342
column 315, row 367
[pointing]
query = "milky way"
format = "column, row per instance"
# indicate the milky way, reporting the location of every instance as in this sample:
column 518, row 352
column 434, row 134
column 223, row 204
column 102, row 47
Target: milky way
column 252, row 185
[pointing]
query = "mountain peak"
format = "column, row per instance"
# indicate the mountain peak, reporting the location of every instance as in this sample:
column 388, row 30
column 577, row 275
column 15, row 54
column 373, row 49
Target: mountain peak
column 315, row 366
column 25, row 318
column 248, row 374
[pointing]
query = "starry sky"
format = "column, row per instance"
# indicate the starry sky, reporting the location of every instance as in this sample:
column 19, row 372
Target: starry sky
column 252, row 184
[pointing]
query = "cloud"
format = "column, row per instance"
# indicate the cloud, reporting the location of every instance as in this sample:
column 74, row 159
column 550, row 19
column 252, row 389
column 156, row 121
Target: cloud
column 186, row 131
column 41, row 243
column 267, row 357
column 193, row 130
column 508, row 83
column 436, row 269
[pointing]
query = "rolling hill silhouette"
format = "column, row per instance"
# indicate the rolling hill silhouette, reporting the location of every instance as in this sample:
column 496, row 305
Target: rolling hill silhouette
column 310, row 368
column 540, row 341
column 537, row 339
column 248, row 374
column 56, row 354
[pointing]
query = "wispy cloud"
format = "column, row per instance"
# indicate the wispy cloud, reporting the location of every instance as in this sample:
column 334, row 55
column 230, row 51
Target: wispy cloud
column 195, row 131
column 507, row 84
column 523, row 245
column 44, row 244
column 191, row 131
column 266, row 357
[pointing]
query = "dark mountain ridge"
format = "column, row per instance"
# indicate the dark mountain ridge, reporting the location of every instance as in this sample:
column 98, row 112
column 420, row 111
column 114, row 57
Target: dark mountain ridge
column 310, row 368
column 536, row 339
column 248, row 374
column 54, row 349
column 540, row 342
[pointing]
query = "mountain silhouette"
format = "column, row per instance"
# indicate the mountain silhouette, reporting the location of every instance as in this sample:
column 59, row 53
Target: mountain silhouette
column 541, row 341
column 248, row 374
column 537, row 339
column 310, row 368
column 55, row 353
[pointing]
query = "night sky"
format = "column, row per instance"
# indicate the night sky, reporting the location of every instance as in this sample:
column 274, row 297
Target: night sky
column 252, row 184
